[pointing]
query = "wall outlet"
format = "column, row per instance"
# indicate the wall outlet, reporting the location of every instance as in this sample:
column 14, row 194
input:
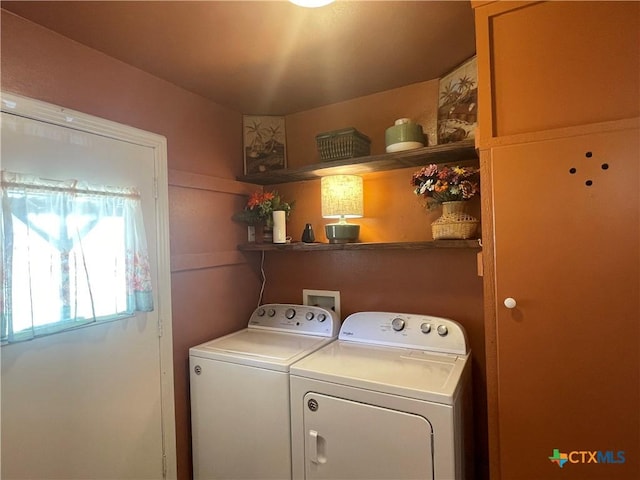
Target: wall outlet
column 328, row 299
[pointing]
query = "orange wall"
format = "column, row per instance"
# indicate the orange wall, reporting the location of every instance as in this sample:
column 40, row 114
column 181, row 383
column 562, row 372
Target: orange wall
column 437, row 282
column 205, row 138
column 202, row 137
column 392, row 212
column 370, row 115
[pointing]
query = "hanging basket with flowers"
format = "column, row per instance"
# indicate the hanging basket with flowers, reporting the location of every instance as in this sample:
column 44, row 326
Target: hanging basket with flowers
column 450, row 187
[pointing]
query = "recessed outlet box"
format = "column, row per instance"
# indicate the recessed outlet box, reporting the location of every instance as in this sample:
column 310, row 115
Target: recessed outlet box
column 328, row 299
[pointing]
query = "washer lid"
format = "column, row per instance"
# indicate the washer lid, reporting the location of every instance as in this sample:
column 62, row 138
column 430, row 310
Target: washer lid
column 260, row 348
column 411, row 373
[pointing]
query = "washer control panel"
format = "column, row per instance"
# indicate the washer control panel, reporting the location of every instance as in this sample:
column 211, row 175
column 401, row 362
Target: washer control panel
column 301, row 319
column 405, row 330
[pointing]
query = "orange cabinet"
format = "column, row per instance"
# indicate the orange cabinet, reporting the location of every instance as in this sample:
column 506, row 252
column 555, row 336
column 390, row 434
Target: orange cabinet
column 545, row 65
column 559, row 107
column 567, row 251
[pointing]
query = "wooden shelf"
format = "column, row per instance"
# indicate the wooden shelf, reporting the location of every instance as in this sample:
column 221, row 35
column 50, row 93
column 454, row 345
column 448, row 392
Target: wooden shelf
column 449, row 152
column 317, row 247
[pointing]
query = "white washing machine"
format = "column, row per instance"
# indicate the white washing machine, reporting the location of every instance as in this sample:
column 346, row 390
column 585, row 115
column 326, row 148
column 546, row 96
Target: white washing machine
column 240, row 392
column 389, row 400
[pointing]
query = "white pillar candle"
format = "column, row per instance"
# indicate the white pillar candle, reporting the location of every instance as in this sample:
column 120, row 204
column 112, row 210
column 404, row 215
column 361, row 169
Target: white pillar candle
column 279, row 226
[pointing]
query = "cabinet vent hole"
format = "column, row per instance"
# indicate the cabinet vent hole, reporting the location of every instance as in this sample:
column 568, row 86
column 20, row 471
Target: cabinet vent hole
column 588, row 154
column 572, row 170
column 588, row 183
column 604, row 166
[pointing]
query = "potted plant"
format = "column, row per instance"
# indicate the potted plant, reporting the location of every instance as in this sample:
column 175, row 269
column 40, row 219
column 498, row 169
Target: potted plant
column 450, row 187
column 259, row 211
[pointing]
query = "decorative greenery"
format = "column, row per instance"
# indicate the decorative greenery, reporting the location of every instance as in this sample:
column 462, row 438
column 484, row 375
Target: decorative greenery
column 446, row 184
column 260, row 207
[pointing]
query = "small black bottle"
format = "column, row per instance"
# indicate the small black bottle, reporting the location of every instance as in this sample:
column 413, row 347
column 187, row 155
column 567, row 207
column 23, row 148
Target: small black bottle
column 307, row 234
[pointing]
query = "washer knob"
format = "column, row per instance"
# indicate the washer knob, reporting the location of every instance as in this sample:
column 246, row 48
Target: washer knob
column 321, row 317
column 271, row 312
column 397, row 324
column 309, row 316
column 442, row 330
column 290, row 313
column 425, row 327
column 261, row 312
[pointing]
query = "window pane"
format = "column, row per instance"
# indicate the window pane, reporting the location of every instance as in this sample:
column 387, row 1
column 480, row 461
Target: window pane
column 76, row 255
column 36, row 269
column 96, row 270
column 103, row 248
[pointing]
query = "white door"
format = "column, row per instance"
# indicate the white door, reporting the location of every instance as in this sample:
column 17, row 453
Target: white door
column 348, row 440
column 97, row 402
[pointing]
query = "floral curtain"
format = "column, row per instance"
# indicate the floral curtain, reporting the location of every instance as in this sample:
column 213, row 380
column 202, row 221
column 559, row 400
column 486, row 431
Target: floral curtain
column 72, row 254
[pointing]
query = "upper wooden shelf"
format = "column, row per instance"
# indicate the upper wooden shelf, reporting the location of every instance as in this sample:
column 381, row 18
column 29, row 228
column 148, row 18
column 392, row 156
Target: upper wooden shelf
column 446, row 153
column 316, row 247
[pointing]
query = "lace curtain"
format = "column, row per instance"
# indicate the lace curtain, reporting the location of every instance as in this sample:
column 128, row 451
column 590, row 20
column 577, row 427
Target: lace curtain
column 72, row 254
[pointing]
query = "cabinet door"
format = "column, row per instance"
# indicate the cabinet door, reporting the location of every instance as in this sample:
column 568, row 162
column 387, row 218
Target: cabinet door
column 566, row 219
column 544, row 65
column 348, row 440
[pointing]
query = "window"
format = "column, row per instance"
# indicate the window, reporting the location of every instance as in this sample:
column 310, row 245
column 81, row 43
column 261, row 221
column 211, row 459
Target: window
column 72, row 255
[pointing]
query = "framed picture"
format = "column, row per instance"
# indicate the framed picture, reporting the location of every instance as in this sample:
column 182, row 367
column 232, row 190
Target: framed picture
column 264, row 144
column 458, row 103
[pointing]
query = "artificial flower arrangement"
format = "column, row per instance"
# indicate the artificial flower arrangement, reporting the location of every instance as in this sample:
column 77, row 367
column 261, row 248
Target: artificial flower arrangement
column 260, row 208
column 446, row 184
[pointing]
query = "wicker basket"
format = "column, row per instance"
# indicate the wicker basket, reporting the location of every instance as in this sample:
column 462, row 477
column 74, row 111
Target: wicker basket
column 345, row 143
column 454, row 229
column 454, row 223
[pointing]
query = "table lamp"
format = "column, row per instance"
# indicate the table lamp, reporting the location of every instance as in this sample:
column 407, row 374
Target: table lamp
column 342, row 199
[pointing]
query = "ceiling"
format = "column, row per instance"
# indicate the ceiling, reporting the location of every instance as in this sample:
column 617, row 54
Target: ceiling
column 270, row 57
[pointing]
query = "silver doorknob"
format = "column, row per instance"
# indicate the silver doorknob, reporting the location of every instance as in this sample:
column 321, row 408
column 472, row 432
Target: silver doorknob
column 510, row 302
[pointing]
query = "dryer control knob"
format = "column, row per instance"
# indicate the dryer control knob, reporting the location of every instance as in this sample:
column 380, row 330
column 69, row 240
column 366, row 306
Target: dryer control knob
column 290, row 313
column 442, row 330
column 309, row 316
column 397, row 324
column 261, row 312
column 322, row 317
column 271, row 312
column 425, row 327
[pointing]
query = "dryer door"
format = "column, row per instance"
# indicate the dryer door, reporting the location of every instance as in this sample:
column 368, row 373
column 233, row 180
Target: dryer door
column 351, row 440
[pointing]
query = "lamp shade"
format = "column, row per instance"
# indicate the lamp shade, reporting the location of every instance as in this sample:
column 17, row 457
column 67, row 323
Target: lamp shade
column 342, row 196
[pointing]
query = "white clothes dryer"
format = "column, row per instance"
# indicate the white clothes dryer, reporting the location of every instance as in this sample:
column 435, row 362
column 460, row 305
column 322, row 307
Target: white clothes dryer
column 389, row 400
column 240, row 392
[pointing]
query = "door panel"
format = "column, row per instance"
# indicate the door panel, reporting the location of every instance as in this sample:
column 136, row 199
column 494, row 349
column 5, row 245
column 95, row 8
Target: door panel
column 567, row 242
column 351, row 440
column 85, row 403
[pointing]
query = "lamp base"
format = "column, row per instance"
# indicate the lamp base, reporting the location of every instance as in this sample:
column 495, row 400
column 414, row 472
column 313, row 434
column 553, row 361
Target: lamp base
column 342, row 232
